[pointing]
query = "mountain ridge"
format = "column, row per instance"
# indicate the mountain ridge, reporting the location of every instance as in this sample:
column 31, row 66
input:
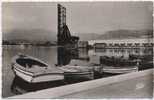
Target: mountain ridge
column 46, row 35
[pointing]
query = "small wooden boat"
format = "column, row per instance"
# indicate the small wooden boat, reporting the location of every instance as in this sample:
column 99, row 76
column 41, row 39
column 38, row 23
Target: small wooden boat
column 33, row 70
column 119, row 70
column 118, row 65
column 78, row 71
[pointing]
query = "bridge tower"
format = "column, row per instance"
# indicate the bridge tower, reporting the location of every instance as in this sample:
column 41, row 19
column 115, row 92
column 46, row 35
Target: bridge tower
column 61, row 22
column 64, row 36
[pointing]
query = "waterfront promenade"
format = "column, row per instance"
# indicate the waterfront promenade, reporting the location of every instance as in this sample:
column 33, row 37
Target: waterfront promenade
column 131, row 85
column 135, row 88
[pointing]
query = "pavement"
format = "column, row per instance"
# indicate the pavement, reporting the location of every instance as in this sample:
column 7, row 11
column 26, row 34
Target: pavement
column 140, row 87
column 136, row 85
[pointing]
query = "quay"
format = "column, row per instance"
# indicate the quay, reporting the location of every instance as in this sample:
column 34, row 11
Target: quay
column 131, row 85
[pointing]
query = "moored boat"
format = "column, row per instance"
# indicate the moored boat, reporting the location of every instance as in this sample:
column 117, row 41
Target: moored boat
column 119, row 70
column 118, row 65
column 78, row 71
column 33, row 70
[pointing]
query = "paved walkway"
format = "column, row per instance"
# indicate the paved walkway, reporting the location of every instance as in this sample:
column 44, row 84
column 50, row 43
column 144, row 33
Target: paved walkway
column 131, row 85
column 142, row 87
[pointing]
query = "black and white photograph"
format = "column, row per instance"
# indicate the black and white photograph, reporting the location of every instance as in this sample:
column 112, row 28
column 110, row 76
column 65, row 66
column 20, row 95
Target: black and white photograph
column 77, row 50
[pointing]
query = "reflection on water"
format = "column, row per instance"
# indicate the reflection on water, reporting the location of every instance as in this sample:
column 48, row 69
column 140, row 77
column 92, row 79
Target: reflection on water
column 19, row 86
column 65, row 56
column 58, row 56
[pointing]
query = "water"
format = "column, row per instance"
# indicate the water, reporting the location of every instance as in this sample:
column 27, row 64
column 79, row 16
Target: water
column 12, row 85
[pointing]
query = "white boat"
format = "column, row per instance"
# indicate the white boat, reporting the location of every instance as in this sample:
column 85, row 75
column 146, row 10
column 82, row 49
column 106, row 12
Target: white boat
column 119, row 70
column 78, row 71
column 33, row 70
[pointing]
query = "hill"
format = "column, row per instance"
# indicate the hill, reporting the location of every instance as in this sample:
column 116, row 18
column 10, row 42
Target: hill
column 126, row 34
column 30, row 35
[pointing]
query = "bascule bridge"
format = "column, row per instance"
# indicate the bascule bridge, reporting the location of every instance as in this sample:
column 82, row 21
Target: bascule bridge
column 64, row 36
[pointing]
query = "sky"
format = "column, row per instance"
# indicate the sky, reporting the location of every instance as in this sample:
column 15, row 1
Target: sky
column 36, row 19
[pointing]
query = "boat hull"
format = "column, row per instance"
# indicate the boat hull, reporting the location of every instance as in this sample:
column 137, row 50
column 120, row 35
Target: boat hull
column 36, row 74
column 87, row 75
column 78, row 72
column 26, row 77
column 30, row 78
column 114, row 70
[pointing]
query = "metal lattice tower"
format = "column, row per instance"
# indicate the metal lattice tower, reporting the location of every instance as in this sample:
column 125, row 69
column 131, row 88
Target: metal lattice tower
column 64, row 35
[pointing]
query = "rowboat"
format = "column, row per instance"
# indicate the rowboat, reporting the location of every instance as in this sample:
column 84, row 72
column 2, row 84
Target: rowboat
column 119, row 70
column 118, row 65
column 33, row 70
column 78, row 71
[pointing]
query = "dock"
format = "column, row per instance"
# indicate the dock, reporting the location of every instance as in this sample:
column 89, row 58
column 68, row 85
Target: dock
column 131, row 85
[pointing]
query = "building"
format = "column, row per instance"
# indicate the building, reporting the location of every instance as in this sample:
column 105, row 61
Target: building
column 122, row 43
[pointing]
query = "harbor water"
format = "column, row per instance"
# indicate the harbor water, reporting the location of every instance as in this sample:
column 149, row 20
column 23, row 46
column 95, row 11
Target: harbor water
column 54, row 56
